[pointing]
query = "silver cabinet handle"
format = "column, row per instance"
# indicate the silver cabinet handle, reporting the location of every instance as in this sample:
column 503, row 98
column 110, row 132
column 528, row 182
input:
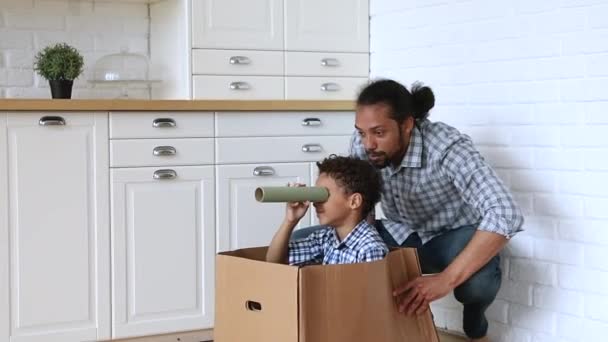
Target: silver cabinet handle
column 330, row 62
column 330, row 86
column 163, row 122
column 239, row 86
column 311, row 122
column 312, row 148
column 165, row 174
column 263, row 171
column 240, row 60
column 51, row 121
column 164, row 151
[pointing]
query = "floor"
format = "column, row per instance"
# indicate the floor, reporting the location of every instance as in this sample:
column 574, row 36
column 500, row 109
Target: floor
column 444, row 337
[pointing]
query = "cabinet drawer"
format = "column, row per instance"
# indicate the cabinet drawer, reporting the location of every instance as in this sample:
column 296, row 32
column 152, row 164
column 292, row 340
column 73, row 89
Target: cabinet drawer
column 239, row 124
column 283, row 149
column 238, row 87
column 160, row 152
column 326, row 64
column 323, row 88
column 160, row 125
column 237, row 62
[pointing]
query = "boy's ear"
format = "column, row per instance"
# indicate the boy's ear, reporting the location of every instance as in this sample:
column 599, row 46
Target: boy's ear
column 355, row 201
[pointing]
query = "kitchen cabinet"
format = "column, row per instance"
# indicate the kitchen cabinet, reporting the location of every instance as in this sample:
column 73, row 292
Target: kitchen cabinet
column 55, row 243
column 163, row 222
column 110, row 222
column 327, row 25
column 252, row 153
column 242, row 221
column 237, row 24
column 163, row 249
column 261, row 49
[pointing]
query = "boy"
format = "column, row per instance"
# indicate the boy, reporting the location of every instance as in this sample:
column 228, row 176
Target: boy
column 354, row 189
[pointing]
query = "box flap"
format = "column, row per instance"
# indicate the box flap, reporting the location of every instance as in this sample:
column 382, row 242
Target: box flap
column 354, row 302
column 256, row 301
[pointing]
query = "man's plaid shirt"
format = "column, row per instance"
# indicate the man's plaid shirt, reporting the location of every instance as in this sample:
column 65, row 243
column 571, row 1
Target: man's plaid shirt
column 442, row 183
column 363, row 244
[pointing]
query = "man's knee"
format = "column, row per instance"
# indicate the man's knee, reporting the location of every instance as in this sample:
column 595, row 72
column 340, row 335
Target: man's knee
column 483, row 286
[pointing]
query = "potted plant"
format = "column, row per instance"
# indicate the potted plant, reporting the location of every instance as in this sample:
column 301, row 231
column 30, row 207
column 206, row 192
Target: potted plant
column 60, row 64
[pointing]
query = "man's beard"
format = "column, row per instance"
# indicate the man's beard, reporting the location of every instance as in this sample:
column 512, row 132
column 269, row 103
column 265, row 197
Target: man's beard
column 380, row 163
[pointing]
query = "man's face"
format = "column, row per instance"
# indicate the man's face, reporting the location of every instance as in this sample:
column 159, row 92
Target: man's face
column 385, row 141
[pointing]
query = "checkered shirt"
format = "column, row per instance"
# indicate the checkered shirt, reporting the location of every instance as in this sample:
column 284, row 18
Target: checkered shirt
column 442, row 183
column 362, row 244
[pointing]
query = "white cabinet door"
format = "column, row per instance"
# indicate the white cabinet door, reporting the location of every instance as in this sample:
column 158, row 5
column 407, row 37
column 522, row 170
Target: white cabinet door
column 163, row 250
column 4, row 241
column 237, row 24
column 57, row 266
column 244, row 222
column 327, row 25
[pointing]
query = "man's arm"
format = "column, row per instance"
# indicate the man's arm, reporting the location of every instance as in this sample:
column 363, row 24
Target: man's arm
column 421, row 291
column 480, row 187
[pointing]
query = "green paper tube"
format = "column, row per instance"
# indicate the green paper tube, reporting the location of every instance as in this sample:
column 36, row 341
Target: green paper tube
column 291, row 194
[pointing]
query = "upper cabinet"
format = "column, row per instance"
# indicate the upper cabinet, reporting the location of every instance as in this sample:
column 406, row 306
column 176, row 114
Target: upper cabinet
column 322, row 25
column 237, row 24
column 277, row 49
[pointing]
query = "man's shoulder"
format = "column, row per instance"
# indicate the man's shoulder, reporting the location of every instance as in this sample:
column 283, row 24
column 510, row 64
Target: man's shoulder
column 439, row 136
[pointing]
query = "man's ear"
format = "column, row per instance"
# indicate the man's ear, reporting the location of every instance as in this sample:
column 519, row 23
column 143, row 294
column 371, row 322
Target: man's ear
column 355, row 201
column 407, row 125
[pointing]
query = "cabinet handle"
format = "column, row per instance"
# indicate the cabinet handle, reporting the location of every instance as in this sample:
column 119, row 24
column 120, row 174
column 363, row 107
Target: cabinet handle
column 240, row 60
column 263, row 171
column 165, row 174
column 330, row 86
column 51, row 121
column 163, row 122
column 312, row 148
column 311, row 122
column 239, row 86
column 164, row 151
column 330, row 62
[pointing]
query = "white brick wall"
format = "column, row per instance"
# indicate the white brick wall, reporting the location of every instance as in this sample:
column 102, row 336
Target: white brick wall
column 94, row 28
column 527, row 81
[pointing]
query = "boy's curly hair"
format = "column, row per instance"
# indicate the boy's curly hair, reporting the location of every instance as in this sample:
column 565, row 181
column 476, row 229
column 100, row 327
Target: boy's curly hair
column 354, row 176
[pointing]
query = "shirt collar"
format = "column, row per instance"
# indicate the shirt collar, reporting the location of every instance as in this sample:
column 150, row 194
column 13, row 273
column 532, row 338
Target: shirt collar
column 352, row 237
column 413, row 155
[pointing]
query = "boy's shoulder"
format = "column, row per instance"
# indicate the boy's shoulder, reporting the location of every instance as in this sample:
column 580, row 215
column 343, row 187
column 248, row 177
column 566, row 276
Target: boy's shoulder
column 368, row 238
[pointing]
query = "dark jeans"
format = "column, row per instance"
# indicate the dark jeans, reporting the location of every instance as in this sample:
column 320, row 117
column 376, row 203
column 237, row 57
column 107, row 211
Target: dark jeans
column 476, row 294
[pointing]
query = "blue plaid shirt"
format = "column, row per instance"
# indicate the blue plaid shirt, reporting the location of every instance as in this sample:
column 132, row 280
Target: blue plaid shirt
column 442, row 183
column 362, row 244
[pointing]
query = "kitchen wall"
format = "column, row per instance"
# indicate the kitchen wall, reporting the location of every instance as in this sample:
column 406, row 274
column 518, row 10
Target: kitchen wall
column 527, row 80
column 95, row 28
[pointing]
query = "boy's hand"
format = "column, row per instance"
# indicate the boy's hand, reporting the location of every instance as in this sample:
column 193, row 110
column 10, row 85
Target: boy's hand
column 296, row 210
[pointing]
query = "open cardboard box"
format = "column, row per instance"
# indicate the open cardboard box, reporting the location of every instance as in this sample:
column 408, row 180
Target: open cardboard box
column 257, row 301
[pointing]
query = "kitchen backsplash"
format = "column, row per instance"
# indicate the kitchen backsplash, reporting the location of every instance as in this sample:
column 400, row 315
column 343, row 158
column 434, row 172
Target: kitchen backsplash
column 94, row 28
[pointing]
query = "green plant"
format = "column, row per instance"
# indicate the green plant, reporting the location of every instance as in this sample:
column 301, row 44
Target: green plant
column 59, row 62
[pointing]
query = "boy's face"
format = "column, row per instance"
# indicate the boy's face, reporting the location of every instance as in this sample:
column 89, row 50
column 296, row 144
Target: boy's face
column 336, row 209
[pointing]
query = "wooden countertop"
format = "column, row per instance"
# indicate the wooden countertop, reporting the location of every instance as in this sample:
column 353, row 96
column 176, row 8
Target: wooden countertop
column 171, row 105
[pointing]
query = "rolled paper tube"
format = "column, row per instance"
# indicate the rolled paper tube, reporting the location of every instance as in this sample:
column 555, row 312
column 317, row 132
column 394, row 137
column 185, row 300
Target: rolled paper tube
column 291, row 194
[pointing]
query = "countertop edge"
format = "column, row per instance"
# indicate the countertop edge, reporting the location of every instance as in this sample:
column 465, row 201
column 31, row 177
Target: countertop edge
column 172, row 105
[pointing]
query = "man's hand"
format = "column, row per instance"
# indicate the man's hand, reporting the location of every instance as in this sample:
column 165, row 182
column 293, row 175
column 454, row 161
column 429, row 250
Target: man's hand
column 416, row 295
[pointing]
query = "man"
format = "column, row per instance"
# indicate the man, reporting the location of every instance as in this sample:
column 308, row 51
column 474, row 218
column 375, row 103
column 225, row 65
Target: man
column 439, row 196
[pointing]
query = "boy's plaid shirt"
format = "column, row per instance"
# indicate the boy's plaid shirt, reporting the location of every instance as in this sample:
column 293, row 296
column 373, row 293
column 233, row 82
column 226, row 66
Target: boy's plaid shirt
column 443, row 183
column 363, row 244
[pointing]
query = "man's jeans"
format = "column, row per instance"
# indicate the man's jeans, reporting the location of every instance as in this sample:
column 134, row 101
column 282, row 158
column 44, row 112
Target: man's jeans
column 476, row 294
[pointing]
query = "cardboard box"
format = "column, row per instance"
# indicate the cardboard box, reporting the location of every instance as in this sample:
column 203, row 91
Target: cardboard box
column 257, row 301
